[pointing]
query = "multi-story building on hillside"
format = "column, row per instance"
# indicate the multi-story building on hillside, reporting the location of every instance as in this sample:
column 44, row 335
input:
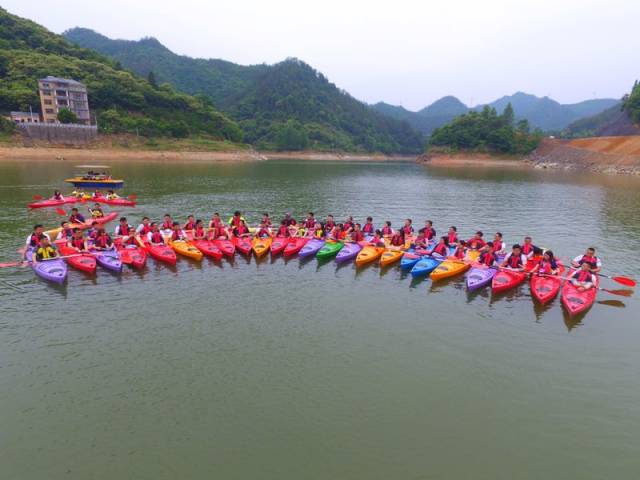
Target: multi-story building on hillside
column 58, row 93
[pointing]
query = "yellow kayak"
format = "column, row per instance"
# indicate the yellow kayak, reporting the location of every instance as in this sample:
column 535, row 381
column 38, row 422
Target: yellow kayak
column 453, row 266
column 261, row 246
column 369, row 254
column 186, row 249
column 390, row 256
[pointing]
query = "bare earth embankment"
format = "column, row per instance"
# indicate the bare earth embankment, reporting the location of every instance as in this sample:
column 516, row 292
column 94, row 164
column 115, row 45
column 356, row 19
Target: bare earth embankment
column 620, row 155
column 470, row 159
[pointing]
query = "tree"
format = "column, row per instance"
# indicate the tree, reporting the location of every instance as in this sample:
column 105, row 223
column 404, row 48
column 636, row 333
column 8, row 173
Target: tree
column 151, row 78
column 67, row 116
column 507, row 115
column 292, row 136
column 523, row 126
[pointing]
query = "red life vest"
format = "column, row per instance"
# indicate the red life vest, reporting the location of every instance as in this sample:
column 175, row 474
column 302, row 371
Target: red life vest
column 515, row 261
column 329, row 226
column 527, row 248
column 34, row 240
column 547, row 267
column 74, row 219
column 283, row 231
column 263, row 233
column 145, row 229
column 476, row 243
column 429, row 233
column 68, row 232
column 498, row 245
column 487, row 258
column 368, row 228
column 236, row 221
column 452, row 238
column 459, row 253
column 167, row 225
column 199, row 233
column 102, row 241
column 131, row 240
column 215, row 223
column 190, row 226
column 123, row 230
column 77, row 243
column 387, row 231
column 176, row 235
column 357, row 236
column 407, row 229
column 241, row 230
column 583, row 276
column 440, row 249
column 310, row 223
column 348, row 225
column 592, row 261
column 93, row 233
column 397, row 240
column 156, row 237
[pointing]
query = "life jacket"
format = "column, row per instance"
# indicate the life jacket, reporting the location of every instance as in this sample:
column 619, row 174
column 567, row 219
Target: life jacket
column 387, row 230
column 45, row 252
column 77, row 243
column 459, row 253
column 67, row 232
column 407, row 229
column 487, row 258
column 199, row 233
column 58, row 197
column 368, row 228
column 236, row 221
column 95, row 213
column 498, row 245
column 215, row 223
column 397, row 240
column 348, row 225
column 583, row 276
column 145, row 229
column 176, row 235
column 357, row 236
column 267, row 222
column 329, row 226
column 121, row 228
column 156, row 237
column 131, row 240
column 283, row 231
column 290, row 222
column 241, row 230
column 34, row 240
column 527, row 248
column 310, row 223
column 429, row 233
column 515, row 261
column 190, row 226
column 440, row 249
column 547, row 267
column 167, row 225
column 217, row 231
column 102, row 241
column 452, row 238
column 476, row 243
column 263, row 233
column 592, row 261
column 93, row 233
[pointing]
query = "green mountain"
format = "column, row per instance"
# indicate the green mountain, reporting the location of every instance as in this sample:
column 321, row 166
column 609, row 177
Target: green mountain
column 288, row 105
column 122, row 101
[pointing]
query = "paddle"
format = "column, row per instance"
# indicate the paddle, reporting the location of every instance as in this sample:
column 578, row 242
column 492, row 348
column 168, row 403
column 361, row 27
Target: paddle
column 626, row 281
column 612, row 303
column 133, row 196
column 11, row 264
column 38, row 197
column 61, row 212
column 622, row 293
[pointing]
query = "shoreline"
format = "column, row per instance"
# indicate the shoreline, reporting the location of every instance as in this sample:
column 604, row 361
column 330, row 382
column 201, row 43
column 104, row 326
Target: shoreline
column 464, row 160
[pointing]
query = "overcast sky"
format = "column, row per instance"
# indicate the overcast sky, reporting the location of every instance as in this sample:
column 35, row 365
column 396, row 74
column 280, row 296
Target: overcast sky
column 400, row 52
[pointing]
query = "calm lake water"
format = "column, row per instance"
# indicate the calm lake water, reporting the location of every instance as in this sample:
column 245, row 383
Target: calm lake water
column 297, row 370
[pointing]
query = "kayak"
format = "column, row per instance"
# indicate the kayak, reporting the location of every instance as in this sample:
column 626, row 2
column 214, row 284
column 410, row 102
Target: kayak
column 425, row 266
column 329, row 249
column 311, row 248
column 390, row 256
column 294, row 246
column 132, row 255
column 227, row 247
column 83, row 262
column 506, row 280
column 545, row 288
column 409, row 259
column 52, row 202
column 480, row 276
column 369, row 254
column 575, row 301
column 109, row 260
column 86, row 224
column 186, row 249
column 54, row 270
column 161, row 253
column 208, row 248
column 261, row 246
column 348, row 252
column 243, row 245
column 452, row 266
column 120, row 202
column 279, row 244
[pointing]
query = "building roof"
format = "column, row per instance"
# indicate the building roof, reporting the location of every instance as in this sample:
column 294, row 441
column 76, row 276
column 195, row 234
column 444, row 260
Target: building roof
column 69, row 81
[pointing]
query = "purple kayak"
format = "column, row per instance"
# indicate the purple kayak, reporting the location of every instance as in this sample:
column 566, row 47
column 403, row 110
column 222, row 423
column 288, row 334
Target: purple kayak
column 479, row 277
column 348, row 252
column 311, row 248
column 110, row 260
column 54, row 270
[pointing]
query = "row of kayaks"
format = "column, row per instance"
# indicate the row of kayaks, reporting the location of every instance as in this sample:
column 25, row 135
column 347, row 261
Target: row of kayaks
column 53, row 202
column 418, row 262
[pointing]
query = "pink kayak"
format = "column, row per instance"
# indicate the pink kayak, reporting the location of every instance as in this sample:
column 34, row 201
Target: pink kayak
column 52, row 202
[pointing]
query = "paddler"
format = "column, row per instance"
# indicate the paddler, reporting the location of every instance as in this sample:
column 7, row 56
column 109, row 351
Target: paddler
column 190, row 226
column 291, row 222
column 452, row 235
column 317, row 231
column 368, row 228
column 476, row 242
column 528, row 248
column 377, row 240
column 263, row 231
column 387, row 231
column 44, row 251
column 77, row 193
column 336, row 233
column 199, row 232
column 583, row 278
column 441, row 248
column 488, row 256
column 421, row 241
column 329, row 224
column 103, row 240
column 177, row 233
column 407, row 229
column 236, row 220
column 310, row 221
column 515, row 260
column 36, row 236
column 97, row 194
column 93, row 230
column 589, row 257
column 167, row 223
column 78, row 241
column 155, row 236
column 428, row 231
column 241, row 230
column 397, row 239
column 461, row 250
column 130, row 238
column 347, row 226
column 76, row 217
column 57, row 195
column 111, row 195
column 122, row 228
column 547, row 265
column 66, row 231
column 96, row 211
column 216, row 227
column 144, row 227
column 283, row 230
column 266, row 220
column 356, row 234
column 499, row 247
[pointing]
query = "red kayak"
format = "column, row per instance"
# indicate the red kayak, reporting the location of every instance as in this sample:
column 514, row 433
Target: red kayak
column 278, row 245
column 132, row 255
column 576, row 301
column 243, row 245
column 52, row 202
column 120, row 202
column 208, row 248
column 100, row 220
column 545, row 288
column 226, row 247
column 294, row 246
column 84, row 263
column 506, row 280
column 161, row 253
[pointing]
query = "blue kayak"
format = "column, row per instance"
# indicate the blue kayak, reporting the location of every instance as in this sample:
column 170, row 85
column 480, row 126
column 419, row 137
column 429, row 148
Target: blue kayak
column 425, row 266
column 409, row 259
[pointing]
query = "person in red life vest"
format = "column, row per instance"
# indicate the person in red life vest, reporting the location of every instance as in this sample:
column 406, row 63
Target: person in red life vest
column 515, row 260
column 190, row 226
column 329, row 224
column 103, row 240
column 310, row 221
column 377, row 240
column 397, row 239
column 316, row 232
column 428, row 230
column 66, row 233
column 452, row 236
column 236, row 219
column 546, row 265
column 528, row 248
column 155, row 236
column 421, row 241
column 368, row 228
column 78, row 241
column 266, row 220
column 93, row 230
column 199, row 232
column 283, row 230
column 76, row 217
column 461, row 250
column 387, row 231
column 441, row 249
column 589, row 258
column 130, row 238
column 122, row 228
column 263, row 231
column 96, row 211
column 291, row 222
column 97, row 194
column 167, row 223
column 488, row 256
column 499, row 247
column 583, row 278
column 36, row 236
column 144, row 227
column 215, row 221
column 347, row 226
column 241, row 230
column 476, row 242
column 177, row 233
column 407, row 229
column 57, row 195
column 336, row 233
column 356, row 234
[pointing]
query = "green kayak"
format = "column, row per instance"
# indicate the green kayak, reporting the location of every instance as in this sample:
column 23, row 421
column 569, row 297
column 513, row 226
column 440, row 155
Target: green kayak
column 329, row 250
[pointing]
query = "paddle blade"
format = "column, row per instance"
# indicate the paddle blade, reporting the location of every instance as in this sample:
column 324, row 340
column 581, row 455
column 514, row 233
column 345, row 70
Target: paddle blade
column 37, row 197
column 10, row 264
column 133, row 196
column 83, row 200
column 629, row 282
column 622, row 293
column 612, row 303
column 61, row 212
